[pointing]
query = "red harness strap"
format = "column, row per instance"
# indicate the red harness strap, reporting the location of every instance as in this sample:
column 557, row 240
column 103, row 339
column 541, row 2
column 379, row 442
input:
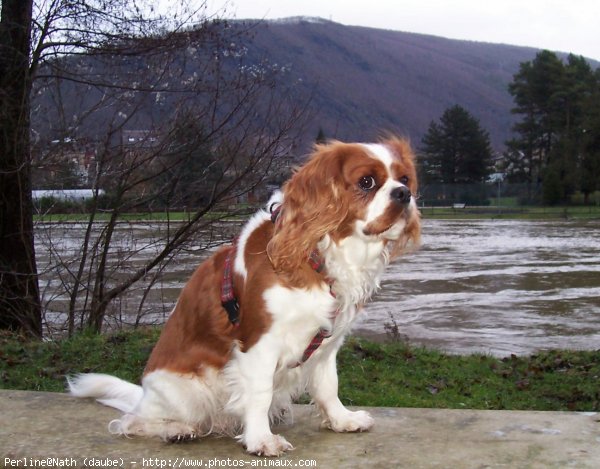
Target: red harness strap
column 315, row 343
column 316, row 262
column 228, row 298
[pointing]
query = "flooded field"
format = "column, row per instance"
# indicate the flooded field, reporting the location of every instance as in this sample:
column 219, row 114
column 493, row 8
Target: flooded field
column 498, row 287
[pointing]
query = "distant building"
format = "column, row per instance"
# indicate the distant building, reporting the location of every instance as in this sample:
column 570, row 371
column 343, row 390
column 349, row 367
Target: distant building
column 496, row 177
column 71, row 195
column 65, row 162
column 139, row 138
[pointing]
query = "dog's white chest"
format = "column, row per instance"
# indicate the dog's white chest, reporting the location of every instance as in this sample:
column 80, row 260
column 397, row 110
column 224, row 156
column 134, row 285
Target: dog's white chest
column 355, row 266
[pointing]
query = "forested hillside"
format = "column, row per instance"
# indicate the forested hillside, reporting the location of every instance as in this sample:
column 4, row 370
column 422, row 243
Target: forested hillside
column 360, row 81
column 367, row 80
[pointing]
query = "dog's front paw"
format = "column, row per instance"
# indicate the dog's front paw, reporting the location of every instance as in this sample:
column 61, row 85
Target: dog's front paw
column 268, row 445
column 359, row 421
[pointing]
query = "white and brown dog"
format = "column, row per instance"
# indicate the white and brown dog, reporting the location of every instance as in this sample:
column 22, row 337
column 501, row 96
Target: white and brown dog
column 261, row 322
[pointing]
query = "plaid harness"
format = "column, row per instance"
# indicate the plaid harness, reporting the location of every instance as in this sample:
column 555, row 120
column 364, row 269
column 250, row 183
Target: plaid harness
column 316, row 262
column 231, row 305
column 228, row 299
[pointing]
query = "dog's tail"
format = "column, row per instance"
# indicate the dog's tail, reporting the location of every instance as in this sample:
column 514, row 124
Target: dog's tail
column 108, row 390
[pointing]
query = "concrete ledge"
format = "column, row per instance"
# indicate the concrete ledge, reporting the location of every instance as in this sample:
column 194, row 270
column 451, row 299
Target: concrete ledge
column 35, row 427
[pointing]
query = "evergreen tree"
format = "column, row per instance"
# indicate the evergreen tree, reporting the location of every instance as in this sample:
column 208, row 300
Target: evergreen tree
column 565, row 157
column 456, row 150
column 535, row 89
column 589, row 170
column 551, row 146
column 321, row 138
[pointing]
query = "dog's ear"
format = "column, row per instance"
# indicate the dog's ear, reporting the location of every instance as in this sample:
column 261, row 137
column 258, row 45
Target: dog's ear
column 314, row 204
column 411, row 237
column 403, row 151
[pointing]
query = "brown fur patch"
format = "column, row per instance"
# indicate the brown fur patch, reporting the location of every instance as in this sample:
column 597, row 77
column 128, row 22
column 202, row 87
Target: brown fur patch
column 322, row 198
column 198, row 332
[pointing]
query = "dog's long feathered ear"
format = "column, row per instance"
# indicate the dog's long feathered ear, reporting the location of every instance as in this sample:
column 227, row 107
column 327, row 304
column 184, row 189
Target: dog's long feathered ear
column 314, row 204
column 411, row 238
column 402, row 149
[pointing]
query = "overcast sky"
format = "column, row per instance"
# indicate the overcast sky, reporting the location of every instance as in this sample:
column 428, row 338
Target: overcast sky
column 558, row 25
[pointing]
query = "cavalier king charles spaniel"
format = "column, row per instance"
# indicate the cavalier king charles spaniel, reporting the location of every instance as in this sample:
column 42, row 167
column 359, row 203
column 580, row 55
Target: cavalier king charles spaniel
column 261, row 321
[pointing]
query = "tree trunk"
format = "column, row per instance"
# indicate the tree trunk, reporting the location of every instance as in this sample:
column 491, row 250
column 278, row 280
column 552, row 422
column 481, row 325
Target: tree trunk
column 20, row 308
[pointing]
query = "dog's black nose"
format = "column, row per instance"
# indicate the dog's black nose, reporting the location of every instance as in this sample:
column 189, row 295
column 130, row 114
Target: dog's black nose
column 401, row 195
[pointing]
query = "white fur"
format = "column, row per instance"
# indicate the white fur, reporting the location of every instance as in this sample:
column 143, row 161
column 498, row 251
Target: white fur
column 382, row 200
column 381, row 152
column 383, row 197
column 297, row 315
column 356, row 264
column 114, row 392
column 257, row 219
column 257, row 386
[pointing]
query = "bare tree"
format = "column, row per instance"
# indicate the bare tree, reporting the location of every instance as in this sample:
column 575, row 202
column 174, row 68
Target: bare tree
column 19, row 294
column 210, row 127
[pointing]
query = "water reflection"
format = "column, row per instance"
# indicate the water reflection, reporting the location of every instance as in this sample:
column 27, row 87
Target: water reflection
column 498, row 287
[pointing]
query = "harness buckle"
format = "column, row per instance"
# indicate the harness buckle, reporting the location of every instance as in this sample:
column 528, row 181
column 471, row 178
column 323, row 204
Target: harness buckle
column 233, row 310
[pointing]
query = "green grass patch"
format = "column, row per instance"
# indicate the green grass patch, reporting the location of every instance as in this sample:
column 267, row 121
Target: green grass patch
column 396, row 375
column 371, row 374
column 154, row 217
column 43, row 366
column 508, row 212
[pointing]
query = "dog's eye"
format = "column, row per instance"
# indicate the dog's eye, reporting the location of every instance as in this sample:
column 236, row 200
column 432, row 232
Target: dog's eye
column 404, row 180
column 367, row 183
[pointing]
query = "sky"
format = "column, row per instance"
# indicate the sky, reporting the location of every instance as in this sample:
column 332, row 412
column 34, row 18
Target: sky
column 557, row 25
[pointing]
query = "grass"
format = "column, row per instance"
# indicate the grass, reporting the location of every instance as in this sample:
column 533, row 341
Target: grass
column 240, row 212
column 105, row 216
column 172, row 217
column 371, row 374
column 42, row 366
column 508, row 212
column 404, row 376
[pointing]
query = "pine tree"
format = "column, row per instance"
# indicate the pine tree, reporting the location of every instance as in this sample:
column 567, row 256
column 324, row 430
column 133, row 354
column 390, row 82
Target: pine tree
column 589, row 170
column 536, row 92
column 456, row 150
column 321, row 138
column 551, row 146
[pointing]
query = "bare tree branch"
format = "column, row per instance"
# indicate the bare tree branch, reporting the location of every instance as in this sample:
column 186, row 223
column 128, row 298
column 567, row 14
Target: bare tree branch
column 215, row 126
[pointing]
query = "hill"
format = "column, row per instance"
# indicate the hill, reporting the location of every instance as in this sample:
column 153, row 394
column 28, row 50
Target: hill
column 363, row 81
column 367, row 80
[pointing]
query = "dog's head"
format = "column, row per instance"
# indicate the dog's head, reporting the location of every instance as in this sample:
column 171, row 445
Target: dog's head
column 362, row 190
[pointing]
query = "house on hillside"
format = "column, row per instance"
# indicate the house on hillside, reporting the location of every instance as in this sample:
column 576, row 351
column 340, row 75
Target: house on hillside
column 65, row 163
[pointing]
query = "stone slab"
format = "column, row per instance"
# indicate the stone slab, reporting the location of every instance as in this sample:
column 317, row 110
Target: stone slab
column 55, row 430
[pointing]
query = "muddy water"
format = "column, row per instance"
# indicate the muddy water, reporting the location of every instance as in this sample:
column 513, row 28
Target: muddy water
column 498, row 287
